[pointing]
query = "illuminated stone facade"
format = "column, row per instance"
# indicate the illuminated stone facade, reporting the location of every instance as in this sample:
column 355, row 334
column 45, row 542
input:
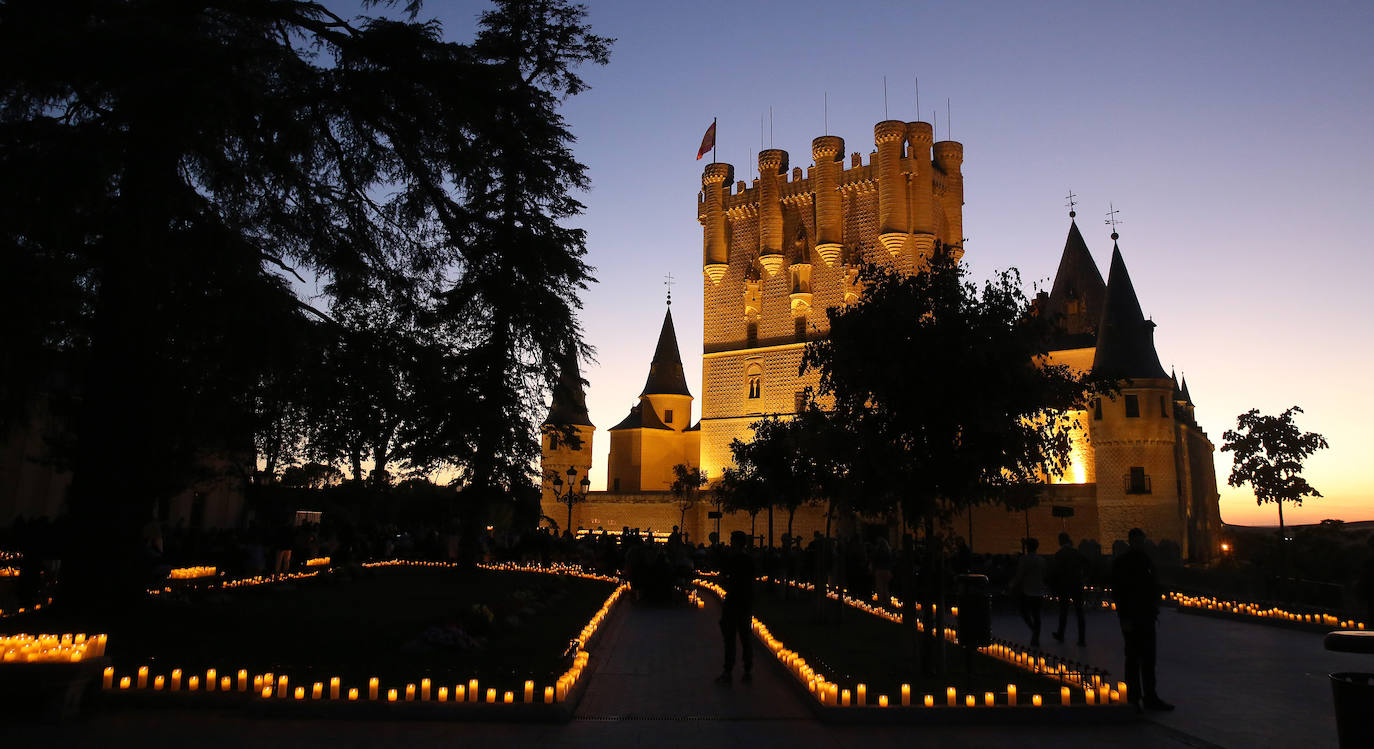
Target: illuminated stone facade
column 780, row 251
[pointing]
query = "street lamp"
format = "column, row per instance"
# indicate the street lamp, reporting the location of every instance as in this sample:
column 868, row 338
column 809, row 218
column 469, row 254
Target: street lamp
column 572, row 497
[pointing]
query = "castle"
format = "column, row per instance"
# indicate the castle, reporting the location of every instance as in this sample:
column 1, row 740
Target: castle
column 778, row 253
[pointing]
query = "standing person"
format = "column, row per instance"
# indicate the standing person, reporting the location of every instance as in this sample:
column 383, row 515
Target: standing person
column 1070, row 571
column 737, row 576
column 1135, row 588
column 1028, row 584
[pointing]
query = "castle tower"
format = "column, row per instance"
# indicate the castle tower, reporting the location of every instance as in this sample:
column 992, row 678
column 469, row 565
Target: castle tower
column 779, row 253
column 561, row 450
column 658, row 433
column 1133, row 435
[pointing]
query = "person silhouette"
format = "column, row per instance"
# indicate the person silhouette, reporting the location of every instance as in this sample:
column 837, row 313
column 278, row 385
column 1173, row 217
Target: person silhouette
column 737, row 577
column 1135, row 588
column 1069, row 571
column 1028, row 584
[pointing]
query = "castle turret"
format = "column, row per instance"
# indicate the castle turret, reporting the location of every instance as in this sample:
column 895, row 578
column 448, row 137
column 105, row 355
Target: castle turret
column 666, row 386
column 893, row 225
column 828, row 151
column 920, row 137
column 716, row 249
column 949, row 160
column 566, row 443
column 1077, row 295
column 772, row 167
column 657, row 434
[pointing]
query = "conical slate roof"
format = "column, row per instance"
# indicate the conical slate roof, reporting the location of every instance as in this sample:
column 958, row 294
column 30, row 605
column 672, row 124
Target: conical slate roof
column 1125, row 339
column 1187, row 398
column 665, row 371
column 640, row 417
column 569, row 406
column 1077, row 280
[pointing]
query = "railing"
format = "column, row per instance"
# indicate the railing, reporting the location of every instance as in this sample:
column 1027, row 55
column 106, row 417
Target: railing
column 1136, row 484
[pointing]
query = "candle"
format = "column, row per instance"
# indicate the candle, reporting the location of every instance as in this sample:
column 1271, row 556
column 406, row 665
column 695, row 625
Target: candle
column 473, row 694
column 930, row 700
column 424, row 689
column 1064, row 697
column 1011, row 694
column 317, row 691
column 243, row 680
column 300, row 693
column 882, row 700
column 509, row 697
column 123, row 682
column 548, row 695
column 282, row 685
column 410, row 692
column 1035, row 700
column 906, row 695
column 267, row 690
column 372, row 688
column 193, row 683
column 333, row 687
column 109, row 677
column 1121, row 687
column 491, row 694
column 257, row 682
column 459, row 693
column 1090, row 695
column 443, row 694
column 949, row 696
column 209, row 679
column 844, row 698
column 225, row 684
column 158, row 683
column 862, row 694
column 142, row 677
column 989, row 699
column 352, row 693
column 969, row 700
column 391, row 695
column 529, row 691
column 1103, row 693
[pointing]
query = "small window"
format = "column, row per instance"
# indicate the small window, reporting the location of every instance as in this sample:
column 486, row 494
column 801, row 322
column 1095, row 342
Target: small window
column 553, row 441
column 1163, row 409
column 1132, row 406
column 751, row 333
column 799, row 400
column 799, row 328
column 1137, row 482
column 668, row 416
column 755, row 385
column 615, row 484
column 1097, row 409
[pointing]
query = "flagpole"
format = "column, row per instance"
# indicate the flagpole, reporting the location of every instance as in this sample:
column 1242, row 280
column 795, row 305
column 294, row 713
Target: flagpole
column 714, row 140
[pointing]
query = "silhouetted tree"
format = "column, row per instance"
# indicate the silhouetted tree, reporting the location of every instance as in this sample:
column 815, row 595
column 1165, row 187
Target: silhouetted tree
column 167, row 166
column 686, row 488
column 1270, row 451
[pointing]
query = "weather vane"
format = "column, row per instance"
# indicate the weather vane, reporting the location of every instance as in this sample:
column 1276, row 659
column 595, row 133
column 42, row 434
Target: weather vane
column 1071, row 204
column 668, row 281
column 1113, row 221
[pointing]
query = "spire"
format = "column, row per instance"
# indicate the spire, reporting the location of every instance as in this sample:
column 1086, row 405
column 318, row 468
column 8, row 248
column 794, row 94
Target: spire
column 665, row 371
column 569, row 406
column 1186, row 397
column 1125, row 339
column 1076, row 296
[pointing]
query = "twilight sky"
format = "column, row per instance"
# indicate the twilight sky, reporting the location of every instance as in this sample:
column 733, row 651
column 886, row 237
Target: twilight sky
column 1236, row 139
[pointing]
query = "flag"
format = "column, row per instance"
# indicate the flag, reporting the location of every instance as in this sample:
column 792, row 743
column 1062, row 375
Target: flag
column 708, row 141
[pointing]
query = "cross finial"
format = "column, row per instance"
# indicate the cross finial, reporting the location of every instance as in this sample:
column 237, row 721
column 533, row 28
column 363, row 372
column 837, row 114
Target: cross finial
column 1071, row 204
column 668, row 281
column 1113, row 221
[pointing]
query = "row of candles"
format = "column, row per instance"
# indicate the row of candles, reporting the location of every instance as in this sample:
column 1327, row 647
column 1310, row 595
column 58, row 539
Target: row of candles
column 22, row 609
column 278, row 686
column 1095, row 690
column 65, row 648
column 191, row 573
column 1260, row 611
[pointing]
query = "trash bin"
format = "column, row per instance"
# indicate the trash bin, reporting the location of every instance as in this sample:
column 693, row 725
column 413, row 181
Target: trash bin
column 1353, row 694
column 975, row 610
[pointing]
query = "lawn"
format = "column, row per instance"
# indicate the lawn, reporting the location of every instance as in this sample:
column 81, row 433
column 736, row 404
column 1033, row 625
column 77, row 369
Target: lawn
column 398, row 624
column 867, row 649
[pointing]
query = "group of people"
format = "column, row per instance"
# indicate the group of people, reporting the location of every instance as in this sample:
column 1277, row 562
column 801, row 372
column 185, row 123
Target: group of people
column 1135, row 589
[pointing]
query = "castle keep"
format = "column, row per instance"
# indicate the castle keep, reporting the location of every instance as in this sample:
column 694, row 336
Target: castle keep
column 780, row 251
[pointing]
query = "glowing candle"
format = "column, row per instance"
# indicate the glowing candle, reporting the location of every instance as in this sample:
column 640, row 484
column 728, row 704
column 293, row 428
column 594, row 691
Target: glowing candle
column 473, row 694
column 1090, row 695
column 844, row 698
column 109, row 677
column 989, row 699
column 142, row 677
column 969, row 700
column 225, row 684
column 443, row 694
column 548, row 695
column 491, row 694
column 1103, row 692
column 509, row 697
column 882, row 700
column 1035, row 700
column 124, row 682
column 209, row 679
column 906, row 695
column 352, row 693
column 529, row 691
column 459, row 693
column 391, row 695
column 949, row 696
column 930, row 700
column 158, row 683
column 424, row 689
column 862, row 694
column 1064, row 697
column 1011, row 694
column 1121, row 687
column 316, row 691
column 372, row 688
column 101, row 639
column 300, row 693
column 410, row 692
column 267, row 690
column 257, row 683
column 333, row 687
column 193, row 683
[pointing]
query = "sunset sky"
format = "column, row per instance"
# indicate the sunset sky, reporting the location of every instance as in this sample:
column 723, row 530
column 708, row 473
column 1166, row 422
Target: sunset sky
column 1236, row 139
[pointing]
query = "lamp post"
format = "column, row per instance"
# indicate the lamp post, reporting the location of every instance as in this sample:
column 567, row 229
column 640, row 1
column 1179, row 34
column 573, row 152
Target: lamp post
column 571, row 497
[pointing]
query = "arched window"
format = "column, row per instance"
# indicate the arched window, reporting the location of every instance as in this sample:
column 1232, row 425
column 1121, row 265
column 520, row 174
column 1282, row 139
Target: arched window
column 753, row 375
